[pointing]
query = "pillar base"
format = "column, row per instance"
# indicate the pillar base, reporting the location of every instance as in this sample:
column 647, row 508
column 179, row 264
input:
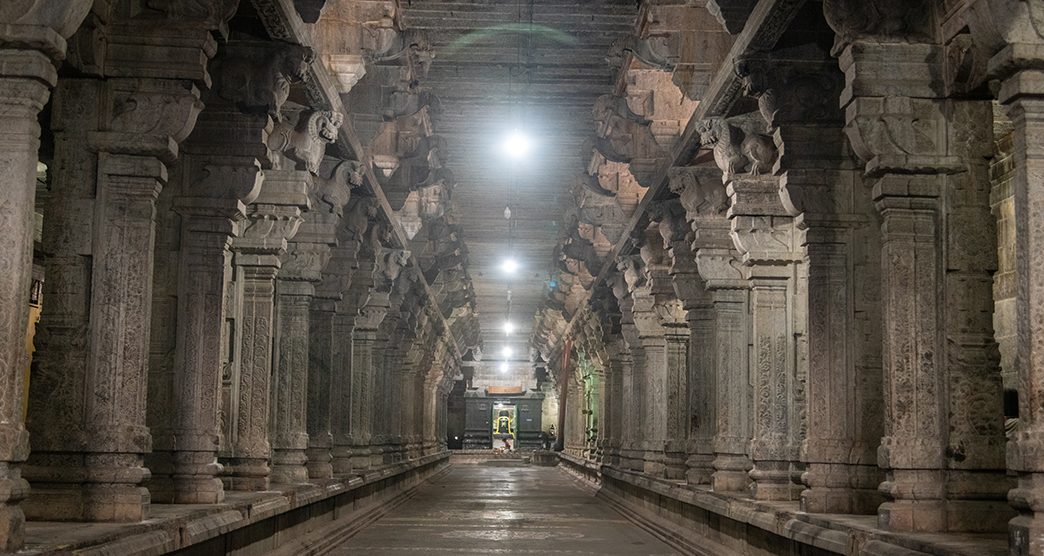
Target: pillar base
column 730, row 473
column 105, row 487
column 699, row 468
column 120, row 503
column 195, row 478
column 320, row 463
column 13, row 489
column 772, row 481
column 246, row 474
column 360, row 458
column 341, row 460
column 288, row 466
column 841, row 488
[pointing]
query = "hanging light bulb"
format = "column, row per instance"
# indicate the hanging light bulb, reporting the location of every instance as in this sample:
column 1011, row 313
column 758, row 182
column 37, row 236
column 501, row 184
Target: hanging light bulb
column 506, row 352
column 516, row 145
column 507, row 213
column 509, row 266
column 509, row 327
column 504, row 367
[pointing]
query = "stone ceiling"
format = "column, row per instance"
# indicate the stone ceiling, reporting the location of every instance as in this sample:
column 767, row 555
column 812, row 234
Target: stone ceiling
column 539, row 66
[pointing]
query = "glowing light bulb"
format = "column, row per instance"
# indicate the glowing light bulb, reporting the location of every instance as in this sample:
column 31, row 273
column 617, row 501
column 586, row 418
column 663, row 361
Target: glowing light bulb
column 516, row 145
column 506, row 352
column 509, row 266
column 509, row 327
column 504, row 367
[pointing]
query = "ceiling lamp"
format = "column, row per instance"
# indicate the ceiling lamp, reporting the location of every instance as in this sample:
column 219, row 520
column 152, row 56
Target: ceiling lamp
column 509, row 266
column 504, row 367
column 517, row 144
column 506, row 352
column 509, row 327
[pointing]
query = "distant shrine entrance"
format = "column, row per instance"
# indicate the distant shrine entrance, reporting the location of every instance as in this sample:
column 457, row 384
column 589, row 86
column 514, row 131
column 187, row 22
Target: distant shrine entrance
column 495, row 415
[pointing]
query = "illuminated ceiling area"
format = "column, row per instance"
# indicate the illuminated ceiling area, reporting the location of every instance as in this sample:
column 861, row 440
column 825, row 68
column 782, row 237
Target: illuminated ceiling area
column 516, row 84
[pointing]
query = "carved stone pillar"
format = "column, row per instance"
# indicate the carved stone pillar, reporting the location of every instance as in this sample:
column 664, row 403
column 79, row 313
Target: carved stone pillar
column 289, row 436
column 207, row 227
column 322, row 363
column 614, row 400
column 652, row 338
column 344, row 415
column 767, row 241
column 692, row 414
column 379, row 383
column 631, row 361
column 219, row 173
column 687, row 290
column 365, row 350
column 329, row 362
column 719, row 266
column 926, row 157
column 88, row 402
column 32, row 40
column 1006, row 32
column 272, row 220
column 302, row 146
column 716, row 301
column 837, row 320
column 388, row 405
column 1022, row 95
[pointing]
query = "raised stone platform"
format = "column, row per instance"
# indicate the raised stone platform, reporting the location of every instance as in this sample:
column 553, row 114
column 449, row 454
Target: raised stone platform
column 246, row 523
column 698, row 521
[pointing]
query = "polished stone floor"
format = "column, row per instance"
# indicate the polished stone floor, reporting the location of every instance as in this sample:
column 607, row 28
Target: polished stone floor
column 503, row 509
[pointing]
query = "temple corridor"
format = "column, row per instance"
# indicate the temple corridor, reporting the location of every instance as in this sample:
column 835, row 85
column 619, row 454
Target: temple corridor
column 304, row 277
column 503, row 508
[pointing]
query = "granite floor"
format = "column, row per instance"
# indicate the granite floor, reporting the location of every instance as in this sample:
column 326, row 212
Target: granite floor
column 503, row 509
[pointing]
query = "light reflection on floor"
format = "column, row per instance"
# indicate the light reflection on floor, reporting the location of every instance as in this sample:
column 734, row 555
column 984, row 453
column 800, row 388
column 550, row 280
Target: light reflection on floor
column 479, row 509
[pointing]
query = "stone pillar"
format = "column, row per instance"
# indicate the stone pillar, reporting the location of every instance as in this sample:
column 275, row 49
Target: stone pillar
column 767, row 241
column 271, row 220
column 926, row 159
column 302, row 146
column 344, row 415
column 719, row 266
column 329, row 354
column 290, row 379
column 631, row 363
column 88, row 400
column 651, row 335
column 693, row 414
column 322, row 362
column 687, row 291
column 207, row 227
column 32, row 40
column 842, row 256
column 219, row 173
column 618, row 357
column 378, row 409
column 1022, row 95
column 364, row 350
column 836, row 318
column 701, row 410
column 1004, row 31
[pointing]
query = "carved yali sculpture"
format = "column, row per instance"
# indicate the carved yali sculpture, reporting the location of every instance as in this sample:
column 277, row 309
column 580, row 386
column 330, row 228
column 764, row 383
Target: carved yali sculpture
column 654, row 51
column 259, row 79
column 305, row 142
column 734, row 149
column 593, row 184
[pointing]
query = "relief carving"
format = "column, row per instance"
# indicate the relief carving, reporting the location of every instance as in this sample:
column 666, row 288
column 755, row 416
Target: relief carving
column 305, row 141
column 258, row 78
column 735, row 149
